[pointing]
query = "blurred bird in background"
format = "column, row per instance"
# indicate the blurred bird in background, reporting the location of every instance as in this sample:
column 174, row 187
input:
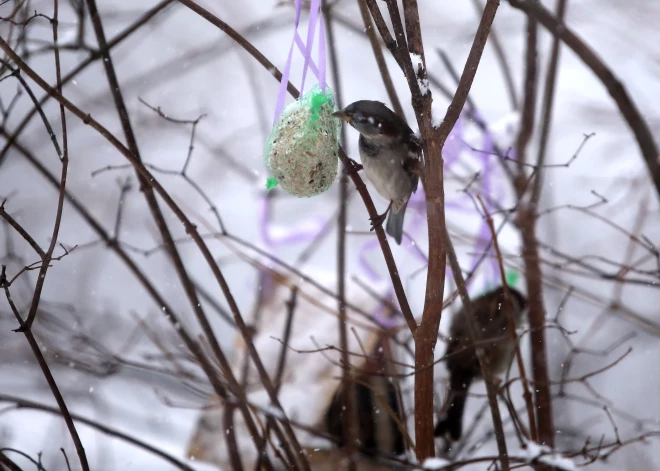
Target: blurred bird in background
column 491, row 312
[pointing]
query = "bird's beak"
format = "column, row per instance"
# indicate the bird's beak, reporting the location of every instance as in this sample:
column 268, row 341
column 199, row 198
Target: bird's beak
column 341, row 114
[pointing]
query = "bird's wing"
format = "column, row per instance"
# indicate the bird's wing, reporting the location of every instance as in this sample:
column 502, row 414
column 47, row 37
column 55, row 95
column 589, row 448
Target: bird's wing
column 413, row 163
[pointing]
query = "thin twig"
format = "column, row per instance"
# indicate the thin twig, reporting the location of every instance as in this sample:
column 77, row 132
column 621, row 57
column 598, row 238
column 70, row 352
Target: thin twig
column 26, row 456
column 159, row 300
column 501, row 59
column 37, row 108
column 484, row 361
column 527, row 395
column 48, row 375
column 627, row 107
column 527, row 219
column 281, row 362
column 349, row 409
column 64, row 159
column 66, row 459
column 147, row 186
column 548, row 101
column 27, row 404
column 25, row 326
column 380, row 59
column 231, row 442
column 93, row 57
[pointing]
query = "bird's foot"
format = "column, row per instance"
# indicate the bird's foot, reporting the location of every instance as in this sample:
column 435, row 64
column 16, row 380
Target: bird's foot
column 377, row 221
column 352, row 167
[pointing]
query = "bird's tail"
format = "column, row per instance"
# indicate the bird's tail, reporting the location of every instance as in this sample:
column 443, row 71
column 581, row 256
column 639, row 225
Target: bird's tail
column 452, row 423
column 394, row 225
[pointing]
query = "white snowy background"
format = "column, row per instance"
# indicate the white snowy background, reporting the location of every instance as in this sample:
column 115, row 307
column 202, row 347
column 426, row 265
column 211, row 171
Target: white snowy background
column 188, row 67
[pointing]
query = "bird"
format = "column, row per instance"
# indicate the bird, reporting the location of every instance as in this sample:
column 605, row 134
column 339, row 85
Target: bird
column 490, row 313
column 376, row 406
column 390, row 154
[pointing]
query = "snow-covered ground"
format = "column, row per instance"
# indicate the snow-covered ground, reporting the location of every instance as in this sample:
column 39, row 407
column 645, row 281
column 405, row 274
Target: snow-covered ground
column 186, row 66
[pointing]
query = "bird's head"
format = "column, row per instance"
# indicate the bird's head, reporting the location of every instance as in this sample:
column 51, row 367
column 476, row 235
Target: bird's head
column 373, row 119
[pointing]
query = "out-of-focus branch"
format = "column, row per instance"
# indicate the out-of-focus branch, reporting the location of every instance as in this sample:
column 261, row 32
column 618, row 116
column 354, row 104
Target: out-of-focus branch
column 96, row 55
column 359, row 29
column 149, row 287
column 380, row 59
column 548, row 101
column 189, row 226
column 397, row 47
column 46, row 256
column 627, row 107
column 38, row 109
column 48, row 375
column 349, row 409
column 25, row 325
column 527, row 117
column 527, row 395
column 501, row 59
column 7, row 463
column 527, row 217
column 27, row 404
column 534, row 278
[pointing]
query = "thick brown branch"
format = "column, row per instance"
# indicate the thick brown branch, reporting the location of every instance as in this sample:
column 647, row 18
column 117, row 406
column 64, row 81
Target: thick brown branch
column 534, row 278
column 528, row 115
column 434, row 140
column 7, row 463
column 398, row 48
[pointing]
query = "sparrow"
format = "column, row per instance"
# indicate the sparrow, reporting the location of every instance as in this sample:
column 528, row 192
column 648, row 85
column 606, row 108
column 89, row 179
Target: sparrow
column 390, row 154
column 375, row 398
column 490, row 311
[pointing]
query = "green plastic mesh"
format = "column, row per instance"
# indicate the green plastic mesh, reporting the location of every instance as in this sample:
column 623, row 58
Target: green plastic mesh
column 302, row 149
column 512, row 277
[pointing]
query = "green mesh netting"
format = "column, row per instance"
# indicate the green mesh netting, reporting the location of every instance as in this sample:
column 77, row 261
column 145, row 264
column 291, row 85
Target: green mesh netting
column 302, row 149
column 512, row 277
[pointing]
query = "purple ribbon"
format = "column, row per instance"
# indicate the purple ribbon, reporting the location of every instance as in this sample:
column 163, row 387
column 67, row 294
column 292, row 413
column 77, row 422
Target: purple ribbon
column 484, row 236
column 310, row 229
column 315, row 16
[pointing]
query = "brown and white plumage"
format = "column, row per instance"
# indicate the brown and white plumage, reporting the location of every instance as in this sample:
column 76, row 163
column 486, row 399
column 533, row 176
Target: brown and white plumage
column 389, row 152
